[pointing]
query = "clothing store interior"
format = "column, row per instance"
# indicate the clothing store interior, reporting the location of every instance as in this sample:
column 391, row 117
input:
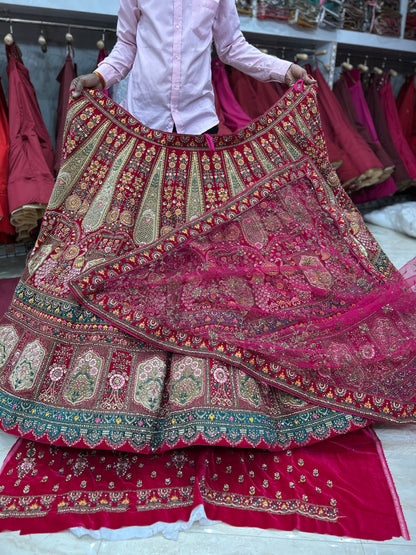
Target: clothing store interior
column 163, row 414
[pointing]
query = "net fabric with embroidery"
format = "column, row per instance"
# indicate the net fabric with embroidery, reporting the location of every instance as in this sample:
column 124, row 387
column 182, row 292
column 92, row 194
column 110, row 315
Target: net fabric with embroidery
column 270, row 249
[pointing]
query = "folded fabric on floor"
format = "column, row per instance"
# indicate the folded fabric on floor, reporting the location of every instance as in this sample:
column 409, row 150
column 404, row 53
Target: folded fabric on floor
column 400, row 217
column 341, row 487
column 192, row 292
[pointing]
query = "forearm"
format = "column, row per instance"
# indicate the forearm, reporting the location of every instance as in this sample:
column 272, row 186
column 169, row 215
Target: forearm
column 233, row 49
column 120, row 61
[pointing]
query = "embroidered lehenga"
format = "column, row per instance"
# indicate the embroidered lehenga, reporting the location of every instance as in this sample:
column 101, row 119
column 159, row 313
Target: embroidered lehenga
column 187, row 293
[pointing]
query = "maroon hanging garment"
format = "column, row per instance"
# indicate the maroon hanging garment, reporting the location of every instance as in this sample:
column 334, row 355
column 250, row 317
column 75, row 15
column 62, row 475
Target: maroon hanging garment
column 66, row 75
column 234, row 117
column 400, row 175
column 393, row 121
column 280, row 88
column 6, row 229
column 31, row 179
column 243, row 89
column 102, row 54
column 359, row 160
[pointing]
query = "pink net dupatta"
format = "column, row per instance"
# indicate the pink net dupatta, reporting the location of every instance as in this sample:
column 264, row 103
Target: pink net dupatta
column 272, row 282
column 184, row 293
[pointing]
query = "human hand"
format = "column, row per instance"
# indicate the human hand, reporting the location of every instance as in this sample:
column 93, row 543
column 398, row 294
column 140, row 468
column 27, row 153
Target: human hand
column 90, row 81
column 296, row 72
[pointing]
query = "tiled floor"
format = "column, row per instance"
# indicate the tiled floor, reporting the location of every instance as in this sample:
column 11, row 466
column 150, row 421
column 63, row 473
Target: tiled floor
column 399, row 445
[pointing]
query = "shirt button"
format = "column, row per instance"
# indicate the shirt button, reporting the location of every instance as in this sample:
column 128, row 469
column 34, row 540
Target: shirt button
column 177, row 26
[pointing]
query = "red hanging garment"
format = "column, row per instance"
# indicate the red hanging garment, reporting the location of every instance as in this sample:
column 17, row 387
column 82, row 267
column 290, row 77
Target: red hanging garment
column 7, row 231
column 243, row 87
column 31, row 179
column 407, row 113
column 401, row 175
column 393, row 121
column 360, row 161
column 66, row 75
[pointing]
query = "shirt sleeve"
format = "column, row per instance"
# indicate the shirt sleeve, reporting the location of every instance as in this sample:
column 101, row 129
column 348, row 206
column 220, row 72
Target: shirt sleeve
column 119, row 62
column 233, row 49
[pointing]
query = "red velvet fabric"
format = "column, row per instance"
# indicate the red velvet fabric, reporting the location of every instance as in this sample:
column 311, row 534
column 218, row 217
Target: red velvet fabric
column 340, row 487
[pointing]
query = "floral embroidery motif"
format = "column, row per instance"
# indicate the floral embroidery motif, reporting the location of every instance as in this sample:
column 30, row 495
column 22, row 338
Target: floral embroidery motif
column 27, row 366
column 150, row 377
column 84, row 378
column 248, row 389
column 187, row 381
column 8, row 341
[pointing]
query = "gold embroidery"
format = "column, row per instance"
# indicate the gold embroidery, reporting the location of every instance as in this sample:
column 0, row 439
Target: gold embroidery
column 147, row 225
column 101, row 204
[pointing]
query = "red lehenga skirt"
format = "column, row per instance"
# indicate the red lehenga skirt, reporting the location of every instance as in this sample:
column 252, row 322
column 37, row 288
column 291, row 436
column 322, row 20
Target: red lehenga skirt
column 188, row 292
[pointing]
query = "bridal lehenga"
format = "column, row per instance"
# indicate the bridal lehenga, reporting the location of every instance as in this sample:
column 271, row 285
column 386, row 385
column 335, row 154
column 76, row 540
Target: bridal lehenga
column 196, row 290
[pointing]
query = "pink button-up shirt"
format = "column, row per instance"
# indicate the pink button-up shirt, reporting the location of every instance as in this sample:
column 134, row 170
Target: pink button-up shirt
column 167, row 46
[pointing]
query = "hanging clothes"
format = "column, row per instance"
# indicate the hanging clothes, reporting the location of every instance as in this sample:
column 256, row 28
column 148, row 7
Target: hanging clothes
column 242, row 86
column 7, row 231
column 31, row 159
column 393, row 121
column 102, row 55
column 400, row 175
column 234, row 116
column 406, row 108
column 65, row 77
column 359, row 161
column 350, row 95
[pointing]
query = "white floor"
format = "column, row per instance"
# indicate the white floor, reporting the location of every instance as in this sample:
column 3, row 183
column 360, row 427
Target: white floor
column 400, row 448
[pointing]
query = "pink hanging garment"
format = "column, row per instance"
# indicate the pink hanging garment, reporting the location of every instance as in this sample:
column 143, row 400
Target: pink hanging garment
column 222, row 128
column 66, row 75
column 234, row 117
column 31, row 157
column 7, row 231
column 393, row 121
column 401, row 175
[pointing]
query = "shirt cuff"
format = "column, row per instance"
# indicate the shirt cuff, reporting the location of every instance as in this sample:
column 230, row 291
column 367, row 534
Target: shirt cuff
column 279, row 70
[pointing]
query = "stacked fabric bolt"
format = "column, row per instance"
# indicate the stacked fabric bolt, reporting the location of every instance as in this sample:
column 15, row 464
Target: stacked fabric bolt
column 410, row 27
column 387, row 19
column 274, row 9
column 244, row 6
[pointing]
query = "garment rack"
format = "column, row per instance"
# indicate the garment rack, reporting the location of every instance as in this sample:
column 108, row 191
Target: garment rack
column 12, row 20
